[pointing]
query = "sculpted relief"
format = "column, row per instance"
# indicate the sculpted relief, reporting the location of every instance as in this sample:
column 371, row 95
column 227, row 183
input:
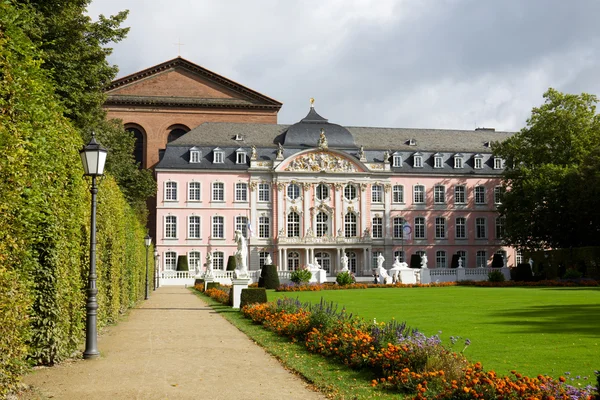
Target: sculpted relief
column 321, row 161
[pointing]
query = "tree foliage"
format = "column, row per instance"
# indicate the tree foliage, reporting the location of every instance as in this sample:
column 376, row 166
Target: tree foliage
column 551, row 176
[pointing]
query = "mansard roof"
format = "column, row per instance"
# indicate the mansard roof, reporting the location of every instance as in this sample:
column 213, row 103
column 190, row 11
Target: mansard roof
column 242, row 96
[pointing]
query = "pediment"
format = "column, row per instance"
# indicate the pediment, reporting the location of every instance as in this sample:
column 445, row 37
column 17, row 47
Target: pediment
column 180, row 81
column 322, row 161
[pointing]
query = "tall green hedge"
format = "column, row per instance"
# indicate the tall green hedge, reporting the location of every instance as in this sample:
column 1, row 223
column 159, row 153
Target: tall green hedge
column 45, row 217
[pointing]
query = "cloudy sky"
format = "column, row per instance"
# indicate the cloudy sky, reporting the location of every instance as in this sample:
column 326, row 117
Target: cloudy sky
column 456, row 64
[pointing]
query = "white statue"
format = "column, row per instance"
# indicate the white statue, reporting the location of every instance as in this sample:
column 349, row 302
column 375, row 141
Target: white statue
column 241, row 256
column 253, row 154
column 424, row 261
column 269, row 260
column 209, row 264
column 396, row 263
column 380, row 260
column 460, row 262
column 344, row 263
column 316, row 264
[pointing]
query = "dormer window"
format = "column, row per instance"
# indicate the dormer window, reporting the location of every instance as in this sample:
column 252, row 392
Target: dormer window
column 239, row 137
column 219, row 156
column 498, row 163
column 412, row 142
column 240, row 156
column 478, row 161
column 418, row 160
column 397, row 160
column 458, row 161
column 438, row 160
column 195, row 155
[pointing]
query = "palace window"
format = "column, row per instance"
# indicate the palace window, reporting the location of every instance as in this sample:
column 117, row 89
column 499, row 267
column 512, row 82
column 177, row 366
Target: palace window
column 461, row 228
column 498, row 195
column 398, row 223
column 322, row 224
column 374, row 256
column 264, row 192
column 350, row 225
column 500, row 227
column 420, row 228
column 440, row 228
column 481, row 259
column 324, row 260
column 498, row 163
column 293, row 224
column 240, row 156
column 262, row 258
column 398, row 194
column 458, row 161
column 171, row 227
column 194, row 227
column 478, row 161
column 218, row 156
column 377, row 227
column 264, row 227
column 218, row 258
column 397, row 160
column 440, row 259
column 460, row 196
column 480, row 228
column 194, row 260
column 195, row 155
column 170, row 191
column 376, row 194
column 479, row 194
column 218, row 227
column 419, row 194
column 170, row 261
column 293, row 261
column 463, row 255
column 352, row 261
column 241, row 191
column 241, row 224
column 400, row 255
column 218, row 191
column 438, row 160
column 322, row 191
column 439, row 194
column 194, row 191
column 293, row 191
column 418, row 160
column 350, row 192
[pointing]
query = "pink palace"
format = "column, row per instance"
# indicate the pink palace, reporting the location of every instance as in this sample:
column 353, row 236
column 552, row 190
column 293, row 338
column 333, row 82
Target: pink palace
column 312, row 191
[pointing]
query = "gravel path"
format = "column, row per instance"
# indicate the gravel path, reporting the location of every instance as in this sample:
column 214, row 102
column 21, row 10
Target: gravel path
column 173, row 346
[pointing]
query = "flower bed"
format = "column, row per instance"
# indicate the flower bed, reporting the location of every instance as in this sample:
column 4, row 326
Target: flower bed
column 219, row 295
column 400, row 358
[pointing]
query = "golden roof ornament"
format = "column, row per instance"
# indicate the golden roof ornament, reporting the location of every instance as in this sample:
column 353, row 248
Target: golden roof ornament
column 322, row 140
column 312, row 102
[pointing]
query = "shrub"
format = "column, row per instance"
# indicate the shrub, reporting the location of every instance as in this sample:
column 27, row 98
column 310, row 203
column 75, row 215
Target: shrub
column 212, row 285
column 199, row 283
column 344, row 278
column 415, row 261
column 182, row 263
column 268, row 277
column 231, row 263
column 497, row 261
column 523, row 273
column 572, row 273
column 496, row 276
column 300, row 276
column 218, row 294
column 252, row 296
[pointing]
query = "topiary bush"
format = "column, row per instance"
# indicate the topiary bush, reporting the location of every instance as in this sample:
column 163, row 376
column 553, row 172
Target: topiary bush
column 496, row 276
column 253, row 295
column 213, row 285
column 301, row 276
column 572, row 273
column 497, row 261
column 231, row 263
column 268, row 277
column 182, row 263
column 344, row 278
column 415, row 261
column 522, row 273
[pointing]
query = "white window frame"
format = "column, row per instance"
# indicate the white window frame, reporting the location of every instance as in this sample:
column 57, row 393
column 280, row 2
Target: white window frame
column 458, row 193
column 241, row 224
column 264, row 227
column 421, row 193
column 216, row 188
column 322, row 191
column 460, row 229
column 240, row 157
column 420, row 229
column 401, row 254
column 481, row 228
column 418, row 160
column 241, row 192
column 171, row 188
column 294, row 190
column 217, row 227
column 498, row 163
column 397, row 160
column 398, row 194
column 350, row 190
column 218, row 260
column 264, row 192
column 438, row 161
column 195, row 156
column 462, row 254
column 293, row 261
column 322, row 224
column 376, row 193
column 478, row 162
column 195, row 260
column 170, row 261
column 479, row 194
column 195, row 193
column 440, row 227
column 439, row 194
column 481, row 259
column 170, row 227
column 350, row 225
column 398, row 227
column 497, row 195
column 377, row 227
column 219, row 156
column 194, row 228
column 441, row 260
column 293, row 224
column 458, row 161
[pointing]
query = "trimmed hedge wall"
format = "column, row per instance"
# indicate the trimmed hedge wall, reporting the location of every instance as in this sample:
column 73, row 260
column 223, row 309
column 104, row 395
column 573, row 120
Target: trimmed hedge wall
column 253, row 295
column 268, row 277
column 44, row 220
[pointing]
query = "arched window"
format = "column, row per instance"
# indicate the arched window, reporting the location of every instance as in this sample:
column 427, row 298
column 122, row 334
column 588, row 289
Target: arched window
column 350, row 225
column 324, row 260
column 170, row 261
column 138, row 147
column 293, row 225
column 322, row 224
column 194, row 260
column 176, row 132
column 352, row 261
column 293, row 261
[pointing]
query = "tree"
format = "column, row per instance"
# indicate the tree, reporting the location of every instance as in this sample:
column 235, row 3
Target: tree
column 547, row 201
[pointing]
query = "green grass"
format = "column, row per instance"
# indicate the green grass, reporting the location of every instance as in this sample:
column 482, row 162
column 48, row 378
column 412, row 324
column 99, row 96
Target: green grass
column 533, row 330
column 331, row 378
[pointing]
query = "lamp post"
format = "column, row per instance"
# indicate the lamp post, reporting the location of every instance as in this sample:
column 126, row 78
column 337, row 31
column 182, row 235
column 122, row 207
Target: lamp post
column 158, row 271
column 148, row 241
column 93, row 157
column 155, row 267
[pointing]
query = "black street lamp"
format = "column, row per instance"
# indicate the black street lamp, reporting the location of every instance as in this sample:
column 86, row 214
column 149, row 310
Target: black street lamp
column 148, row 241
column 155, row 267
column 93, row 157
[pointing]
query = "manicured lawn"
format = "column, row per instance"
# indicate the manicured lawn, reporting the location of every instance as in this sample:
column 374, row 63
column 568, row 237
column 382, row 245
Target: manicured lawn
column 535, row 331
